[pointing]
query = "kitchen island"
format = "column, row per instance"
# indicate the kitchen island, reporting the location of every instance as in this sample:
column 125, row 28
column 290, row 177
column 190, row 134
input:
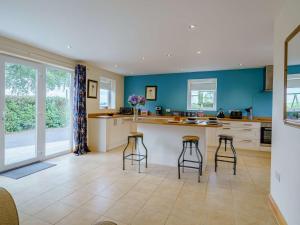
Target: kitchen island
column 163, row 139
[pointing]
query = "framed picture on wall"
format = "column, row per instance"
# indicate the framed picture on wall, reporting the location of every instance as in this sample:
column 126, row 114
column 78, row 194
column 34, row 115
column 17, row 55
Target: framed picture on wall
column 151, row 93
column 92, row 89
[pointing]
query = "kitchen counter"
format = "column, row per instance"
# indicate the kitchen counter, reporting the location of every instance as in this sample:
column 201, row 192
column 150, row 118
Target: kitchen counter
column 256, row 119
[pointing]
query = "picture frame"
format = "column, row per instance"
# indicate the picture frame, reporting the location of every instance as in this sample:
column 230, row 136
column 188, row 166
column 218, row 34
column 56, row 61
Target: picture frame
column 151, row 93
column 92, row 90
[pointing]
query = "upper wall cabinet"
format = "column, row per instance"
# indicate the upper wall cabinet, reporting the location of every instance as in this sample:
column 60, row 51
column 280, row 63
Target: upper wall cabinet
column 292, row 79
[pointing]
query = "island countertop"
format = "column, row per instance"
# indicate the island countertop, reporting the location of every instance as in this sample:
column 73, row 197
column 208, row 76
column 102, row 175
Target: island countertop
column 176, row 123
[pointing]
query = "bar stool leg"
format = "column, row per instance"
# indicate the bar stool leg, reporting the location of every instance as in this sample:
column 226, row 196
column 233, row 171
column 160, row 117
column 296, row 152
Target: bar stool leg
column 201, row 157
column 199, row 160
column 124, row 153
column 216, row 155
column 146, row 151
column 184, row 147
column 179, row 160
column 235, row 159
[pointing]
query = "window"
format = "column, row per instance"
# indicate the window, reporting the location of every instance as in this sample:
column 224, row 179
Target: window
column 293, row 93
column 107, row 93
column 202, row 94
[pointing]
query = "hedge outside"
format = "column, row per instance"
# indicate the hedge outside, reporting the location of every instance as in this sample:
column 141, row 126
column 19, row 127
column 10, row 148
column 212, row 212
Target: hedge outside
column 20, row 113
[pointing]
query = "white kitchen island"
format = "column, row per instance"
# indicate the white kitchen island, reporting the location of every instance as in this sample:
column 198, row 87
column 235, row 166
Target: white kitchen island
column 164, row 140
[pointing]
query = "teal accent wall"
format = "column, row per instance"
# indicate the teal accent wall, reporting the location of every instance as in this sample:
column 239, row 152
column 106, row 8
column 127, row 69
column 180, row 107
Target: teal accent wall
column 294, row 69
column 237, row 89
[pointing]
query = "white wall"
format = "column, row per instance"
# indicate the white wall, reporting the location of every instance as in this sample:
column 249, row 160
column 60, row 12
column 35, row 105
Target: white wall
column 18, row 49
column 286, row 140
column 95, row 73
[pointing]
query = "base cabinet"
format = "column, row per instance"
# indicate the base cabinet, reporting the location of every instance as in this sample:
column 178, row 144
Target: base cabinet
column 105, row 134
column 246, row 135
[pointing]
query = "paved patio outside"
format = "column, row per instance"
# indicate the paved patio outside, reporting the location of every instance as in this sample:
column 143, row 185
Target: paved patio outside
column 20, row 146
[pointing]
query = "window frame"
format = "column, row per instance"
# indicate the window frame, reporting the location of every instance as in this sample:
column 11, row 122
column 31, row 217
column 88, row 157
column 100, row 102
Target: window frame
column 189, row 94
column 111, row 95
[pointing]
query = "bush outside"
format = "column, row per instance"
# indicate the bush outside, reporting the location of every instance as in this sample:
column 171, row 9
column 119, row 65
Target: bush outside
column 20, row 113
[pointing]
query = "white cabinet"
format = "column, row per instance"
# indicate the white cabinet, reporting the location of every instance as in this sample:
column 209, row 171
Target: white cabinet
column 105, row 134
column 246, row 135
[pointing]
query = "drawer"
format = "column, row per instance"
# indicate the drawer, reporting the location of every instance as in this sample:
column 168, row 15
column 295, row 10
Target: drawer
column 236, row 132
column 246, row 143
column 241, row 124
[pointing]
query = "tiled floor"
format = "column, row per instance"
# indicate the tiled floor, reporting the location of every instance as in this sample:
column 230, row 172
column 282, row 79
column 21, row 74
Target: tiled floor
column 83, row 190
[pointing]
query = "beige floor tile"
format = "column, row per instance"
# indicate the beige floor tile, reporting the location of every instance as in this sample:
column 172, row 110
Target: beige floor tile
column 54, row 213
column 98, row 204
column 79, row 217
column 101, row 190
column 34, row 221
column 122, row 212
column 150, row 217
column 77, row 198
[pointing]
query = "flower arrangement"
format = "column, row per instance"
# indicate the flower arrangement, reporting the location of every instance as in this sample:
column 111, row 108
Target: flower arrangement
column 136, row 100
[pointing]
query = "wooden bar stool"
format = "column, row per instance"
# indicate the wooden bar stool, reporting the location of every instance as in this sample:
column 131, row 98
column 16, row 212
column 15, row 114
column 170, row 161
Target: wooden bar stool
column 135, row 154
column 190, row 140
column 226, row 138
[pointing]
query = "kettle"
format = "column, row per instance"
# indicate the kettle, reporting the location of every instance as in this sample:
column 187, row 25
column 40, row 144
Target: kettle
column 221, row 114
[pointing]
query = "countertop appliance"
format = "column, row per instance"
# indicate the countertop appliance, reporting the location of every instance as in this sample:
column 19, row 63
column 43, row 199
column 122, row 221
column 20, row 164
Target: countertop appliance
column 266, row 134
column 249, row 113
column 158, row 110
column 126, row 110
column 221, row 114
column 236, row 114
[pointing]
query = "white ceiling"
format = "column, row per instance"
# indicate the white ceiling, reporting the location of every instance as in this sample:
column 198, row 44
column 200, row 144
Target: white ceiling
column 120, row 32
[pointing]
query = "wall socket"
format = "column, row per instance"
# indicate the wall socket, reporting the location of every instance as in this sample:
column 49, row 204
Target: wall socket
column 277, row 176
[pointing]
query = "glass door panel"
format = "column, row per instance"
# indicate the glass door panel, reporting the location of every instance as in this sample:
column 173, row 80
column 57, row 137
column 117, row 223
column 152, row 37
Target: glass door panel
column 20, row 113
column 58, row 111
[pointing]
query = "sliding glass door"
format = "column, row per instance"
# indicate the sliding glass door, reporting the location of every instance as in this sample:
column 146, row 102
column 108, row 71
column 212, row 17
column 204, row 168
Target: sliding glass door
column 35, row 110
column 58, row 111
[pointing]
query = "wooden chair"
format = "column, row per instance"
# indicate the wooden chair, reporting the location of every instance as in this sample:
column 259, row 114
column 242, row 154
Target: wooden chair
column 8, row 209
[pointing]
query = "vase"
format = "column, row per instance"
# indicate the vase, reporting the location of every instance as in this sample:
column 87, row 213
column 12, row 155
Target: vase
column 135, row 114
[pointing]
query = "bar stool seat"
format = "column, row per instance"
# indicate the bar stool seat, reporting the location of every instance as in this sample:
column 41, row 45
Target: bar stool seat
column 228, row 137
column 135, row 154
column 190, row 138
column 136, row 134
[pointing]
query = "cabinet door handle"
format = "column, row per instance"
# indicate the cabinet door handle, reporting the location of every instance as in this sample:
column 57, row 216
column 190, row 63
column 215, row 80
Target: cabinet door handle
column 226, row 123
column 226, row 128
column 247, row 124
column 247, row 130
column 246, row 141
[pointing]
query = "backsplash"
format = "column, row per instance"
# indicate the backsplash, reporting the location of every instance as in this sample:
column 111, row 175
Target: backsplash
column 236, row 90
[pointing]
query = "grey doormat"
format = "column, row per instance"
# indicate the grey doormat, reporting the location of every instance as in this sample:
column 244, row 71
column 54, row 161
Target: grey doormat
column 27, row 170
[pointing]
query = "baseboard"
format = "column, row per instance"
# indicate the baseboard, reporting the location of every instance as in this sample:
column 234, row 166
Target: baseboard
column 278, row 215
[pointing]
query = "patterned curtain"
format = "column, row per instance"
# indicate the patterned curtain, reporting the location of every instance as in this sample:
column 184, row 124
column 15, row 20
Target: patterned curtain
column 79, row 119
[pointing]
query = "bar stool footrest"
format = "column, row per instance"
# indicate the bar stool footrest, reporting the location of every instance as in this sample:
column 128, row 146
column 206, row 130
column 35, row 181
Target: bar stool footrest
column 220, row 160
column 141, row 157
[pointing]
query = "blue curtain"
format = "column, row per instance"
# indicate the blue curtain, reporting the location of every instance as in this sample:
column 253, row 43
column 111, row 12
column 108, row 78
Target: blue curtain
column 79, row 111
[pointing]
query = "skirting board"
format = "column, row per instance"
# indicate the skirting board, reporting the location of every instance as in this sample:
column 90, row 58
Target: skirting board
column 278, row 215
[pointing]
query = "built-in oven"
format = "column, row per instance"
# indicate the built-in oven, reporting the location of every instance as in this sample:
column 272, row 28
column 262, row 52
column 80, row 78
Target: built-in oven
column 266, row 134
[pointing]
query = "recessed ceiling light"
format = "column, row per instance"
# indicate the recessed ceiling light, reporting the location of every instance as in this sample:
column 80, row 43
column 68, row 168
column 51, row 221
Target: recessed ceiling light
column 69, row 46
column 143, row 58
column 169, row 55
column 198, row 52
column 241, row 64
column 192, row 27
column 115, row 65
